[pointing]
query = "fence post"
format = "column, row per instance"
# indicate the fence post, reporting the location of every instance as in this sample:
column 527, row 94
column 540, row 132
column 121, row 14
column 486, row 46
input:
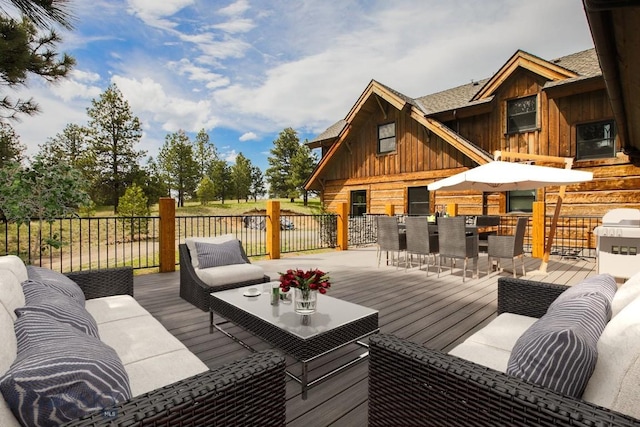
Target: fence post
column 167, row 211
column 538, row 229
column 343, row 226
column 273, row 229
column 389, row 209
column 452, row 209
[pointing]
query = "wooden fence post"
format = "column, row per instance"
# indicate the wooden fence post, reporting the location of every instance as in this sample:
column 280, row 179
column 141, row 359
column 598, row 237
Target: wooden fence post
column 273, row 229
column 167, row 212
column 389, row 209
column 452, row 209
column 538, row 229
column 343, row 226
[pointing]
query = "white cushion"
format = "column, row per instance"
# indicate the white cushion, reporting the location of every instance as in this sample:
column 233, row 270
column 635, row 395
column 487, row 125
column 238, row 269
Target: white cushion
column 191, row 245
column 483, row 354
column 117, row 307
column 158, row 371
column 503, row 331
column 615, row 379
column 11, row 295
column 9, row 344
column 226, row 274
column 628, row 291
column 138, row 338
column 15, row 265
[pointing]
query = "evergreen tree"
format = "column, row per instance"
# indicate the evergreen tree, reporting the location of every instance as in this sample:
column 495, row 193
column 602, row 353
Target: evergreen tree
column 152, row 182
column 302, row 165
column 278, row 173
column 206, row 191
column 10, row 147
column 257, row 183
column 113, row 131
column 134, row 203
column 220, row 175
column 241, row 177
column 203, row 152
column 24, row 52
column 44, row 13
column 179, row 167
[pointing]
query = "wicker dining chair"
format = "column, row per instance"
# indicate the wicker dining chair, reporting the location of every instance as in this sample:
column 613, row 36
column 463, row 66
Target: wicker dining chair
column 390, row 239
column 508, row 246
column 421, row 240
column 454, row 243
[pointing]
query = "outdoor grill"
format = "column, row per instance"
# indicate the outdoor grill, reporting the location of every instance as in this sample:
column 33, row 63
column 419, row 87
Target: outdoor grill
column 618, row 242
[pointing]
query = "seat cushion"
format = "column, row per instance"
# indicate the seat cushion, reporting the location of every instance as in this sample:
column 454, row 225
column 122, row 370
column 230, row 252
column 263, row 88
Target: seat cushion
column 559, row 351
column 503, row 331
column 482, row 354
column 227, row 274
column 116, row 307
column 62, row 374
column 629, row 291
column 615, row 379
column 191, row 245
column 219, row 254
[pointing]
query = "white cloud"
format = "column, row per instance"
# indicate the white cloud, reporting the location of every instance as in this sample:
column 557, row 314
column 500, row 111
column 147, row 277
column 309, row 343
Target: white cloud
column 153, row 12
column 234, row 9
column 248, row 136
column 198, row 74
column 229, row 156
column 242, row 25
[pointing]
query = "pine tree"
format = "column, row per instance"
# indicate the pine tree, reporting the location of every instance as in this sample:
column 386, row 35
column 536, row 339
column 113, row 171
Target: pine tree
column 220, row 175
column 206, row 191
column 241, row 177
column 113, row 131
column 179, row 167
column 10, row 147
column 257, row 183
column 203, row 152
column 302, row 165
column 278, row 174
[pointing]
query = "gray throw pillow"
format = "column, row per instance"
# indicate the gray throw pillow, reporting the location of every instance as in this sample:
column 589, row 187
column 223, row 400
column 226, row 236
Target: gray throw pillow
column 61, row 375
column 559, row 351
column 56, row 280
column 604, row 284
column 219, row 254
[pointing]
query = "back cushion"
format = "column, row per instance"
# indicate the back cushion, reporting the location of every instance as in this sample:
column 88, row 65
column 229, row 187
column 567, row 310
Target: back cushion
column 8, row 343
column 615, row 379
column 559, row 351
column 628, row 292
column 191, row 245
column 15, row 265
column 11, row 294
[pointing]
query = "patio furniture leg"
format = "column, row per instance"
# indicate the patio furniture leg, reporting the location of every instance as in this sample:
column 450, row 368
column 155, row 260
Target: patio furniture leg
column 522, row 258
column 464, row 269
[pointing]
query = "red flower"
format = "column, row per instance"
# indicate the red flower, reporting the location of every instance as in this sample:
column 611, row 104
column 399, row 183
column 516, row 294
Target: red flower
column 305, row 280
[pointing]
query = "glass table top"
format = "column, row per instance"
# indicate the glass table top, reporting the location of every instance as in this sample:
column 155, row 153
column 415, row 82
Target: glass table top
column 330, row 314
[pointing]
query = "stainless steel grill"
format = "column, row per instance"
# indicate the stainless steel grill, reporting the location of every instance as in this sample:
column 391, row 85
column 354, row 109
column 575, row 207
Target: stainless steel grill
column 618, row 242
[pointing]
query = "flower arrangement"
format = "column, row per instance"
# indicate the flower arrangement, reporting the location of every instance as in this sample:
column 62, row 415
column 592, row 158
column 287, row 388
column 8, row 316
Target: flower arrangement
column 310, row 280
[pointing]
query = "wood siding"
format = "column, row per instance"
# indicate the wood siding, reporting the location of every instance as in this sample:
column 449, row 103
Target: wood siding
column 422, row 157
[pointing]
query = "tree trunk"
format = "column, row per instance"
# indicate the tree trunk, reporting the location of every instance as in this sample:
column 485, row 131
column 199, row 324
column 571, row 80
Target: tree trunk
column 305, row 198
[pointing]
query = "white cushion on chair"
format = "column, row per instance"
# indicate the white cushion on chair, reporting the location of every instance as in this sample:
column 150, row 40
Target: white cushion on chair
column 191, row 245
column 226, row 274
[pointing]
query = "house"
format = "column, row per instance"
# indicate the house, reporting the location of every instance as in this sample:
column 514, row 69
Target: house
column 390, row 146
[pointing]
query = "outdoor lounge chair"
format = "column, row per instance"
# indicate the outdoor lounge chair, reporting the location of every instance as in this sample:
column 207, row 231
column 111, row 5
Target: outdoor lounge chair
column 194, row 290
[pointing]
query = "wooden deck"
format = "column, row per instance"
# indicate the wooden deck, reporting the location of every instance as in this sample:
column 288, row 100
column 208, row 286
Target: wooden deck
column 436, row 312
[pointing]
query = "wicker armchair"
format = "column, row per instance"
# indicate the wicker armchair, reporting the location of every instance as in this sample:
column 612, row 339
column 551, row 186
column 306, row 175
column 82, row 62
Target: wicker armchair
column 194, row 290
column 509, row 246
column 390, row 239
column 420, row 239
column 428, row 387
column 454, row 243
column 249, row 391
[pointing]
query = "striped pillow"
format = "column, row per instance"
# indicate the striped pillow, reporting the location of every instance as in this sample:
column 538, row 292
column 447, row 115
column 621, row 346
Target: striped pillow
column 604, row 284
column 57, row 281
column 61, row 375
column 559, row 351
column 219, row 254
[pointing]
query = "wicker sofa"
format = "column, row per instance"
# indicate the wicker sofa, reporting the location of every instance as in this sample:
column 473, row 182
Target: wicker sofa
column 168, row 384
column 413, row 385
column 196, row 284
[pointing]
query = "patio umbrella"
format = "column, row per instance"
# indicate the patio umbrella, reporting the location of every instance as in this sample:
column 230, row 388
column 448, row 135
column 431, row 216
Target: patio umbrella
column 508, row 176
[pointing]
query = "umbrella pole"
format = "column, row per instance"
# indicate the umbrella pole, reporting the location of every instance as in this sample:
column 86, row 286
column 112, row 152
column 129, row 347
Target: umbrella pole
column 552, row 232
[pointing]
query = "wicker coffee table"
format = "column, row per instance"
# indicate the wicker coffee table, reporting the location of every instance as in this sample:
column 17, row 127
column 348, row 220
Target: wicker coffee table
column 335, row 324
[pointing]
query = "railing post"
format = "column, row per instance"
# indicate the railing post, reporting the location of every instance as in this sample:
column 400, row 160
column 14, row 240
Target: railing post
column 343, row 226
column 389, row 209
column 452, row 209
column 167, row 211
column 273, row 229
column 538, row 229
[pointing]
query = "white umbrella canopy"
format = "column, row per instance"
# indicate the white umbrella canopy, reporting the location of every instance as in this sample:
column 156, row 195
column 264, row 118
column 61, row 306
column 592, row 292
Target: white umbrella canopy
column 508, row 176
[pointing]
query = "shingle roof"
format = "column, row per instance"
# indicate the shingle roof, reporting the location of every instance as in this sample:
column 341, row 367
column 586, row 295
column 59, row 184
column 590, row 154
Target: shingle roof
column 332, row 132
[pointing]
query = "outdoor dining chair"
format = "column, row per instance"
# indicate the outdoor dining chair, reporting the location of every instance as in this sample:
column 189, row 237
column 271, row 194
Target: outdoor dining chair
column 421, row 240
column 454, row 243
column 390, row 239
column 508, row 246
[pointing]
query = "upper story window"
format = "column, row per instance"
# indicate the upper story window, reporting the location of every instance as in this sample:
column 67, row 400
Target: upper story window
column 386, row 138
column 596, row 140
column 522, row 114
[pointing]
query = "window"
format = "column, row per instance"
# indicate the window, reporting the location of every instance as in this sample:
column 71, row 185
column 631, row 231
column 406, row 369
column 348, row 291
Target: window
column 596, row 140
column 418, row 201
column 358, row 202
column 521, row 200
column 521, row 114
column 386, row 138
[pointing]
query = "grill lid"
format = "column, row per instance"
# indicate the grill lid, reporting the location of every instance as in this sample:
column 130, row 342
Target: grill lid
column 623, row 217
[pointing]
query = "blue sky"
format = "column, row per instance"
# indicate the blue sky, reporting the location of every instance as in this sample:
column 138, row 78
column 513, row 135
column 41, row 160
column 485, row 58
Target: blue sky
column 244, row 70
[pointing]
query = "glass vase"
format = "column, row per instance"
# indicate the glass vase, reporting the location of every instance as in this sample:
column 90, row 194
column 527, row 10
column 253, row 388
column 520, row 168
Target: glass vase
column 305, row 301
